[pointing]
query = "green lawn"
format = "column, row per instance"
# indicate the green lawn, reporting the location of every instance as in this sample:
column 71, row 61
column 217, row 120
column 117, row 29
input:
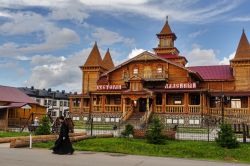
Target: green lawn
column 182, row 149
column 12, row 134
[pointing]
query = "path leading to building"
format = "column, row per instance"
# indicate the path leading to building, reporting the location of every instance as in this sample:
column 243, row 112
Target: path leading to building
column 42, row 157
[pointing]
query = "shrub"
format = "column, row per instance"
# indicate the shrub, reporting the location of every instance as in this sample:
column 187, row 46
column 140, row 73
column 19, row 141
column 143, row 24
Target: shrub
column 154, row 132
column 226, row 137
column 129, row 130
column 44, row 127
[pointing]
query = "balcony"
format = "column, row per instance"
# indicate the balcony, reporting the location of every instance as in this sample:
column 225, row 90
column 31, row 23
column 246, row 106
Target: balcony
column 148, row 76
column 175, row 109
column 179, row 109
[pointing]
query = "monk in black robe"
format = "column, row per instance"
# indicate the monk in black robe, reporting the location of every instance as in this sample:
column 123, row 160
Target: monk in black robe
column 63, row 144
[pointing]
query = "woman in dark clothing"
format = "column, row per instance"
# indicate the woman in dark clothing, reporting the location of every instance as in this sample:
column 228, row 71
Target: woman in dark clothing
column 63, row 144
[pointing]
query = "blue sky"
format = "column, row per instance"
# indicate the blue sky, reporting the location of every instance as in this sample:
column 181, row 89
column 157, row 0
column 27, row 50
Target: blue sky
column 43, row 43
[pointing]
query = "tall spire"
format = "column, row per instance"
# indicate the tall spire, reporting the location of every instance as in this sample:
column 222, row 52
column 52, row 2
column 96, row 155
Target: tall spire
column 94, row 58
column 166, row 28
column 107, row 62
column 243, row 50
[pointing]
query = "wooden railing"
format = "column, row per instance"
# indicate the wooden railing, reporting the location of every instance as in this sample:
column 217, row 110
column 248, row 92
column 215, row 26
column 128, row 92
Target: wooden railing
column 145, row 118
column 158, row 108
column 86, row 109
column 112, row 108
column 153, row 75
column 229, row 111
column 97, row 108
column 194, row 109
column 174, row 109
column 127, row 108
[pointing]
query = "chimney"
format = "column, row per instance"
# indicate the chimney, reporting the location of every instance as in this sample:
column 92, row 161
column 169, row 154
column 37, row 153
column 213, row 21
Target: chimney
column 49, row 90
column 32, row 88
column 63, row 91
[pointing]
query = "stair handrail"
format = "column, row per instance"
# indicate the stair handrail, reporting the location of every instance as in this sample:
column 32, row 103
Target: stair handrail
column 144, row 119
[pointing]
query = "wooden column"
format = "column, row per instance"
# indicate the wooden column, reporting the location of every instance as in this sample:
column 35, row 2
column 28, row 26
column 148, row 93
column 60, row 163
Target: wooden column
column 248, row 104
column 81, row 104
column 153, row 103
column 164, row 102
column 103, row 103
column 147, row 104
column 123, row 106
column 186, row 101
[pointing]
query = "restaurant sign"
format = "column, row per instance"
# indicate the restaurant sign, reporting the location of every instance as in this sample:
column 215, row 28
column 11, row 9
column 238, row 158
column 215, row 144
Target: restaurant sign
column 109, row 87
column 189, row 85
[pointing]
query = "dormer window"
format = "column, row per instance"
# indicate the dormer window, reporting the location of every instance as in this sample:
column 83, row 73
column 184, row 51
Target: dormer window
column 135, row 71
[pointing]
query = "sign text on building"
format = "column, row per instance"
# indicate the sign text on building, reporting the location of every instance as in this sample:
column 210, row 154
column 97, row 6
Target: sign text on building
column 189, row 85
column 109, row 87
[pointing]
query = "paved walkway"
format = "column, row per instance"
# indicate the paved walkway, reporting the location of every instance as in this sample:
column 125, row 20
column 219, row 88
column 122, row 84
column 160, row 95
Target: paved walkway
column 42, row 157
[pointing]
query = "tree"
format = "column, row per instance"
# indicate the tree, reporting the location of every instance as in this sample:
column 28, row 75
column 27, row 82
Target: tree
column 44, row 127
column 226, row 137
column 129, row 130
column 154, row 133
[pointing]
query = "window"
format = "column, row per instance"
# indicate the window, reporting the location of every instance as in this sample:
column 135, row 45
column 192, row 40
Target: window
column 135, row 71
column 177, row 100
column 54, row 102
column 61, row 103
column 38, row 101
column 159, row 70
column 235, row 103
column 45, row 102
column 147, row 72
column 194, row 99
column 49, row 102
column 65, row 103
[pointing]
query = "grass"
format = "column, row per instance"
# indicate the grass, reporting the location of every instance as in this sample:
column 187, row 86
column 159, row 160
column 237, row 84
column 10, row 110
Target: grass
column 181, row 149
column 13, row 134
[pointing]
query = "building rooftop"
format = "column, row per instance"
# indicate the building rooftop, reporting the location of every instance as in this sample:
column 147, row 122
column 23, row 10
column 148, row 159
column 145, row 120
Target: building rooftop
column 11, row 94
column 219, row 72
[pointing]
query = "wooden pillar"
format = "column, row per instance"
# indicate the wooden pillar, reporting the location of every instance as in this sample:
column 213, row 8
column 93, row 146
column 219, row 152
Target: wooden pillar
column 154, row 103
column 70, row 104
column 164, row 100
column 186, row 102
column 123, row 106
column 81, row 104
column 103, row 103
column 248, row 104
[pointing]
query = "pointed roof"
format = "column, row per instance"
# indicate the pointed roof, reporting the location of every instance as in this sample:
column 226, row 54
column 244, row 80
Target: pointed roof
column 166, row 29
column 243, row 50
column 94, row 58
column 107, row 62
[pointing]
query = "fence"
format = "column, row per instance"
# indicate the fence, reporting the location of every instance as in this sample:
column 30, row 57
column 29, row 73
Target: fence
column 206, row 129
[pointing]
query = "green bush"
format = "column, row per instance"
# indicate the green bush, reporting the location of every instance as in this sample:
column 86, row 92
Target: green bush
column 129, row 130
column 154, row 132
column 44, row 127
column 226, row 137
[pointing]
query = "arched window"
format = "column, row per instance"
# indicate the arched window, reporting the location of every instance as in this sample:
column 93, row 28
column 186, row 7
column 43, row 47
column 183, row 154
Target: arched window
column 135, row 70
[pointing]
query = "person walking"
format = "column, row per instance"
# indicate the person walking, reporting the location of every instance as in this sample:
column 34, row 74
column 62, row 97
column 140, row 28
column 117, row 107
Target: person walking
column 63, row 144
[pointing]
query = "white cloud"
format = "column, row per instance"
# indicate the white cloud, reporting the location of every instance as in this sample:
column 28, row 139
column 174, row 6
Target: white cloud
column 197, row 33
column 58, row 72
column 226, row 60
column 241, row 19
column 106, row 37
column 200, row 57
column 185, row 11
column 24, row 23
column 135, row 52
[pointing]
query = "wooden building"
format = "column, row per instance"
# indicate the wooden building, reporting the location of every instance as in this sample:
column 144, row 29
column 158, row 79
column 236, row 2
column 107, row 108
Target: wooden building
column 16, row 108
column 159, row 83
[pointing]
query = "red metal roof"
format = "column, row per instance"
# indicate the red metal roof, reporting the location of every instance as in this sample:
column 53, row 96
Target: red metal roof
column 220, row 72
column 11, row 94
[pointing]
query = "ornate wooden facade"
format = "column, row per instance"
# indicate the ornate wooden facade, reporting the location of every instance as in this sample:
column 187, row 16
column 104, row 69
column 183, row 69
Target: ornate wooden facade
column 159, row 83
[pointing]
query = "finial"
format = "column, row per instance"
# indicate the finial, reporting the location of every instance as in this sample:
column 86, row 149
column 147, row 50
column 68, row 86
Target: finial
column 243, row 30
column 108, row 50
column 167, row 18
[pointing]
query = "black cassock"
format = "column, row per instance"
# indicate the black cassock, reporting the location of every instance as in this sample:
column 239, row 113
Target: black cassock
column 63, row 144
